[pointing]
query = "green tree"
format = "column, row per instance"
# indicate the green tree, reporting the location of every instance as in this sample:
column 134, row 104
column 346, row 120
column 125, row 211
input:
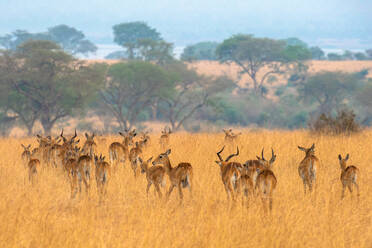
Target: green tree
column 131, row 88
column 317, row 53
column 157, row 51
column 69, row 38
column 369, row 53
column 130, row 33
column 360, row 56
column 48, row 82
column 329, row 90
column 334, row 57
column 191, row 92
column 254, row 54
column 200, row 51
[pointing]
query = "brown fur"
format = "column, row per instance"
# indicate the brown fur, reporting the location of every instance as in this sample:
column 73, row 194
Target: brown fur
column 180, row 176
column 349, row 176
column 307, row 168
column 154, row 175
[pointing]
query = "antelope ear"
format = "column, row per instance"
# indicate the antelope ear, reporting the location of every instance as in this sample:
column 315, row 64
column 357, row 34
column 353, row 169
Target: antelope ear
column 258, row 157
column 86, row 136
column 339, row 157
column 218, row 162
column 347, row 157
column 168, row 151
column 312, row 147
column 29, row 146
column 301, row 148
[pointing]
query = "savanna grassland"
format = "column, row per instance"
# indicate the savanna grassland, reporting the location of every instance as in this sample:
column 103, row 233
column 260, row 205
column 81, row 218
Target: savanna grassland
column 43, row 215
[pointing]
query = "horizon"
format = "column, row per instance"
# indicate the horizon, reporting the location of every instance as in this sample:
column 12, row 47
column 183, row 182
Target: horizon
column 333, row 25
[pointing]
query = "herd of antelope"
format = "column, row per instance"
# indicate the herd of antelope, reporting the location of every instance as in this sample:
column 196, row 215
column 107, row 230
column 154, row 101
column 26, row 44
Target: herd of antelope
column 254, row 177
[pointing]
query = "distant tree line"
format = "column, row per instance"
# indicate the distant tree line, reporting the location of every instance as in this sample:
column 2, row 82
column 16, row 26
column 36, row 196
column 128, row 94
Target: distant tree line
column 42, row 81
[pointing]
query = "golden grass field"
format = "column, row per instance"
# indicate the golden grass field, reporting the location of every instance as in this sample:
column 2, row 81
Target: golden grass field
column 43, row 215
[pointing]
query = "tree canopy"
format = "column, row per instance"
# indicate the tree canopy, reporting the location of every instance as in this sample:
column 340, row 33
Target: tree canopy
column 46, row 83
column 70, row 39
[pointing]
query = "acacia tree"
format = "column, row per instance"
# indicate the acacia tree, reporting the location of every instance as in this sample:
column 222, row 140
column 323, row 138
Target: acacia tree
column 329, row 90
column 190, row 93
column 47, row 83
column 130, row 33
column 131, row 88
column 70, row 39
column 252, row 55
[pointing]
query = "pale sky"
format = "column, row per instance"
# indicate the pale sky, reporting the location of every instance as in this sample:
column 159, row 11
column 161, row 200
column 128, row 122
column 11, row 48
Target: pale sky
column 344, row 24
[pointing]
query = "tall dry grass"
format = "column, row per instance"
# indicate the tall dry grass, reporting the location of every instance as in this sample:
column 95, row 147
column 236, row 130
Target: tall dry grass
column 43, row 215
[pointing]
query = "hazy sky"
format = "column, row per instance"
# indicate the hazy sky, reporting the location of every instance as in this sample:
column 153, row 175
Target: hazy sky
column 328, row 23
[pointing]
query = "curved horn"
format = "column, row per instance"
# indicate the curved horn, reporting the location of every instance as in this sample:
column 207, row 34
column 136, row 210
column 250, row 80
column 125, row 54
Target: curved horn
column 75, row 135
column 273, row 156
column 262, row 154
column 218, row 153
column 233, row 155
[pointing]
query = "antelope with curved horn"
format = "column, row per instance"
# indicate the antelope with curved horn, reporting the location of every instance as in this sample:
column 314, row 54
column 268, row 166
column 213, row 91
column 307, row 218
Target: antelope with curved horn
column 164, row 138
column 230, row 173
column 58, row 152
column 349, row 175
column 180, row 176
column 266, row 180
column 119, row 152
column 307, row 167
column 252, row 167
column 154, row 175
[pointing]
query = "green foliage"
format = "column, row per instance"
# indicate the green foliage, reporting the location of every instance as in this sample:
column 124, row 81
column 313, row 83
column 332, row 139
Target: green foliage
column 46, row 82
column 329, row 89
column 132, row 87
column 130, row 33
column 200, row 51
column 253, row 54
column 317, row 53
column 190, row 93
column 70, row 39
column 343, row 123
column 334, row 56
column 360, row 56
column 293, row 41
column 160, row 51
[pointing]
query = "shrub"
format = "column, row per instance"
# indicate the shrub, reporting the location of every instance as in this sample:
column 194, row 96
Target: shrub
column 344, row 123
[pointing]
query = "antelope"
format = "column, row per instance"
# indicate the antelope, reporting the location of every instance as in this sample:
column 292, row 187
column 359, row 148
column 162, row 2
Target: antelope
column 230, row 173
column 134, row 155
column 154, row 175
column 164, row 138
column 85, row 165
column 58, row 152
column 33, row 166
column 145, row 136
column 180, row 176
column 78, row 170
column 349, row 175
column 41, row 152
column 230, row 137
column 252, row 167
column 119, row 152
column 89, row 147
column 266, row 180
column 103, row 174
column 307, row 167
column 26, row 155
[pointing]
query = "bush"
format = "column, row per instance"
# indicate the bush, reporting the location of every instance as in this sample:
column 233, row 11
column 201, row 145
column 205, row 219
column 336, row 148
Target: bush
column 344, row 123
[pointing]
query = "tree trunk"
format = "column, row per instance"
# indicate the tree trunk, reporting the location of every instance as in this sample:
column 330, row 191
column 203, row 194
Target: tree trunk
column 47, row 125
